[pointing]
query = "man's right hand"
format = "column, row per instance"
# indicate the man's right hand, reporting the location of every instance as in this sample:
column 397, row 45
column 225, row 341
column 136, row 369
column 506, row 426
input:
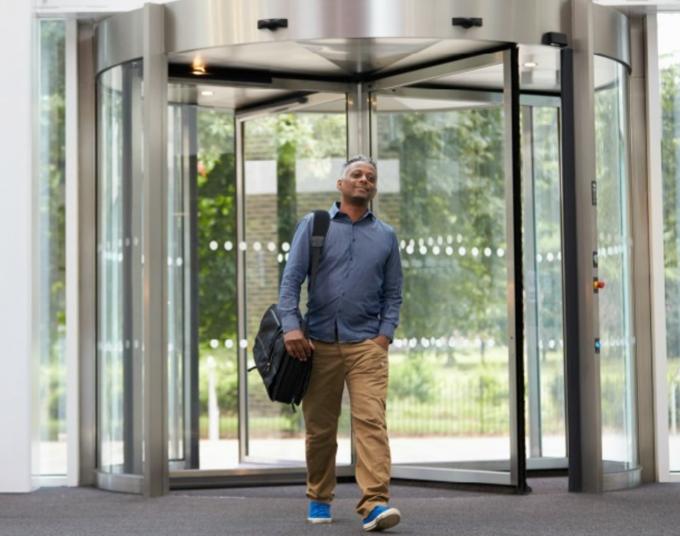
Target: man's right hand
column 297, row 345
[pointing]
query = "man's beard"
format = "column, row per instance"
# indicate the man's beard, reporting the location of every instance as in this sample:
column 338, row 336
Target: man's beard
column 359, row 201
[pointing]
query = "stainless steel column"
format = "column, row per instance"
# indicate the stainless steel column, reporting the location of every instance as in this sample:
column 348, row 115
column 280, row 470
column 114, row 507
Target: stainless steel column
column 590, row 436
column 155, row 84
column 243, row 439
column 358, row 121
column 87, row 241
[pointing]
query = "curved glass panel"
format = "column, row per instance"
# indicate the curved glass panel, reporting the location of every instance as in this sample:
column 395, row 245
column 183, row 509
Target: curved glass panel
column 669, row 63
column 119, row 269
column 615, row 243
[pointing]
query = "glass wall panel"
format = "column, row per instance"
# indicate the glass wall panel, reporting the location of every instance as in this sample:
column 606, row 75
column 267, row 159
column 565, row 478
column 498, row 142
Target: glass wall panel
column 669, row 63
column 202, row 297
column 119, row 269
column 442, row 187
column 291, row 164
column 543, row 281
column 52, row 245
column 617, row 355
column 217, row 297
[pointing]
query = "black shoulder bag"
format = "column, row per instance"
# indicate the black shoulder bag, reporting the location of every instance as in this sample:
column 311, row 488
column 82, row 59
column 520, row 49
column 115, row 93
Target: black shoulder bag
column 285, row 377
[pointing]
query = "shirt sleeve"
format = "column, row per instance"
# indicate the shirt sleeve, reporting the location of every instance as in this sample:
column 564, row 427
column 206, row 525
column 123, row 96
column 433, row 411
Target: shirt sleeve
column 389, row 316
column 294, row 275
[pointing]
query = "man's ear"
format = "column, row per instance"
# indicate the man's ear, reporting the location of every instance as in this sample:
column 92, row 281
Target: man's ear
column 338, row 184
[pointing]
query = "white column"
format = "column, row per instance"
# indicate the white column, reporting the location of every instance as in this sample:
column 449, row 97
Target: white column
column 16, row 212
column 656, row 249
column 72, row 258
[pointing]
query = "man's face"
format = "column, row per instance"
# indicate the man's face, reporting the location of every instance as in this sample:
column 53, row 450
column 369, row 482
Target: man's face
column 359, row 184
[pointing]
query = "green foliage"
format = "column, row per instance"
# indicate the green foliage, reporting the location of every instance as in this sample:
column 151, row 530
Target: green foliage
column 216, row 221
column 52, row 400
column 412, row 379
column 670, row 160
column 286, row 194
column 52, row 169
column 52, row 228
column 547, row 224
column 224, row 367
column 451, row 182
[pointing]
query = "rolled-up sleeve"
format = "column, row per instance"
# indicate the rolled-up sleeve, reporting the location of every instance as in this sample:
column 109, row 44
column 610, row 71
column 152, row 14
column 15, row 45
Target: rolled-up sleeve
column 294, row 275
column 389, row 316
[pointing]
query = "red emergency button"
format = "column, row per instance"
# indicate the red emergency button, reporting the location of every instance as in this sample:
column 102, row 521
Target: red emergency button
column 598, row 284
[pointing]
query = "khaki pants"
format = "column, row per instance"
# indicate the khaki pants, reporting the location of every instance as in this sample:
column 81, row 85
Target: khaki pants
column 363, row 365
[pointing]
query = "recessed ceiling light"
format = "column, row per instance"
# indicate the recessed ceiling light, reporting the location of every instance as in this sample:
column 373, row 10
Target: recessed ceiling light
column 207, row 93
column 198, row 67
column 530, row 64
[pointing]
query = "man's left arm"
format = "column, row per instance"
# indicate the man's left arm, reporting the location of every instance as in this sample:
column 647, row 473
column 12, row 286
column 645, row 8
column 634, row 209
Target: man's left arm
column 392, row 282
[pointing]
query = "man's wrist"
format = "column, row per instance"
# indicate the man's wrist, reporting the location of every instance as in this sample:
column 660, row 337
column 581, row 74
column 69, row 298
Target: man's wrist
column 388, row 336
column 386, row 330
column 289, row 324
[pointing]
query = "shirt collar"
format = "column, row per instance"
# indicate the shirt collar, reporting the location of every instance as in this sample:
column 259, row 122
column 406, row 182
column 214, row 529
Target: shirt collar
column 335, row 210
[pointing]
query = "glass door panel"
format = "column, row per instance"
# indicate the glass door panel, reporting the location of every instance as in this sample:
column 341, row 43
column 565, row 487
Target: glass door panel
column 291, row 161
column 444, row 172
column 543, row 281
column 444, row 186
column 201, row 284
column 442, row 189
column 617, row 355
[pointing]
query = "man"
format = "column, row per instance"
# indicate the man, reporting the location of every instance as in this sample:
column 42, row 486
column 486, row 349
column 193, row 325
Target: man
column 352, row 313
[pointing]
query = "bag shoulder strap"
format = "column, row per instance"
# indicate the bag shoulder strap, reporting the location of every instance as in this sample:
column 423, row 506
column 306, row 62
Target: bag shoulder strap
column 322, row 221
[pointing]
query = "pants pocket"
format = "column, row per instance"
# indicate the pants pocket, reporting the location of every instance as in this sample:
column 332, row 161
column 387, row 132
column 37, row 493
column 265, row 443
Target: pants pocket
column 376, row 345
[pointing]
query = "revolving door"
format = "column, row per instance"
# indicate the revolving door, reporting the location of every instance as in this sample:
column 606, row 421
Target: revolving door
column 211, row 147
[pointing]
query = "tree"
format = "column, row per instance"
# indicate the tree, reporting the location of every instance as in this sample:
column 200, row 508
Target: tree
column 216, row 221
column 52, row 210
column 452, row 194
column 670, row 161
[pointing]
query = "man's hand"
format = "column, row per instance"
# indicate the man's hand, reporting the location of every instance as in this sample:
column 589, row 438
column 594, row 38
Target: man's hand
column 297, row 346
column 382, row 341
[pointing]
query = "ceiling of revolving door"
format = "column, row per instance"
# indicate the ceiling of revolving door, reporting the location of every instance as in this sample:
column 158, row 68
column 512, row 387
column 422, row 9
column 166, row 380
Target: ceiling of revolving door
column 342, row 60
column 338, row 58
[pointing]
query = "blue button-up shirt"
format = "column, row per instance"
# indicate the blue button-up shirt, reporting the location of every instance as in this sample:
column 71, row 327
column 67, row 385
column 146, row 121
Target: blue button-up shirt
column 357, row 293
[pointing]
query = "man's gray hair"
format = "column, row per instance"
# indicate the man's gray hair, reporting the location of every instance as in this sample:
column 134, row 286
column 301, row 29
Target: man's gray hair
column 358, row 158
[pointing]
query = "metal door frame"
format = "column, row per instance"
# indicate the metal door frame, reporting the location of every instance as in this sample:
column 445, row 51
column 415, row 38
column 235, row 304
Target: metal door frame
column 360, row 138
column 142, row 33
column 508, row 56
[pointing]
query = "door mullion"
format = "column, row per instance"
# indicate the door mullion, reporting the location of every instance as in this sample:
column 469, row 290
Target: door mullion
column 513, row 199
column 531, row 284
column 239, row 130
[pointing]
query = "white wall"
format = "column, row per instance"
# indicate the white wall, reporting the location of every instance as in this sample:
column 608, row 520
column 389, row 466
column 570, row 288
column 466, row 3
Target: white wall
column 15, row 248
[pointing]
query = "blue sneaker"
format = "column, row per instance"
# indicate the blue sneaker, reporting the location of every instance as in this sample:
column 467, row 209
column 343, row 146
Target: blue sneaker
column 382, row 517
column 319, row 512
